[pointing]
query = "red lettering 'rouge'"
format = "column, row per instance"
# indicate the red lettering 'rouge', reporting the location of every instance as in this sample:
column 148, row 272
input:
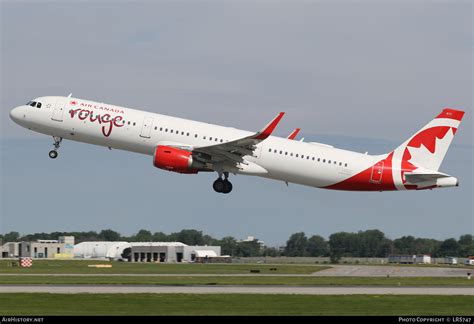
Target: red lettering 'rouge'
column 108, row 121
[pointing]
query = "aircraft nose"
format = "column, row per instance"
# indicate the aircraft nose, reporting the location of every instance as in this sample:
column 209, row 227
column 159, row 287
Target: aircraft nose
column 16, row 114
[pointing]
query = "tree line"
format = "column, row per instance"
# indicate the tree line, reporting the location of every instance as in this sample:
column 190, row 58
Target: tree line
column 369, row 243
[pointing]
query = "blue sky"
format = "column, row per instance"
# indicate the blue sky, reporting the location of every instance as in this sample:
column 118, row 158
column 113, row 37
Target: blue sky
column 358, row 75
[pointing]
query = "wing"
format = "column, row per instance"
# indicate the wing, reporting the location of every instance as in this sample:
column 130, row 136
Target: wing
column 232, row 152
column 293, row 134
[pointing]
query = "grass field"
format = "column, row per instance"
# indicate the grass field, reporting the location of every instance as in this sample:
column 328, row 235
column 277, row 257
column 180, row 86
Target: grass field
column 189, row 304
column 253, row 280
column 80, row 267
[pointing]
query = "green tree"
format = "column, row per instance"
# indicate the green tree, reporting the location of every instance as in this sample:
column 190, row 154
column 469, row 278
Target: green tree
column 426, row 246
column 466, row 245
column 342, row 244
column 228, row 245
column 271, row 252
column 248, row 249
column 372, row 244
column 317, row 246
column 109, row 235
column 449, row 247
column 296, row 245
column 142, row 236
column 160, row 237
column 189, row 237
column 404, row 245
column 11, row 237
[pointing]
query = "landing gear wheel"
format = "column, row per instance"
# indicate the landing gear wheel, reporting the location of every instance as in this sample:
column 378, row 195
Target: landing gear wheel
column 227, row 187
column 218, row 185
column 57, row 142
column 53, row 154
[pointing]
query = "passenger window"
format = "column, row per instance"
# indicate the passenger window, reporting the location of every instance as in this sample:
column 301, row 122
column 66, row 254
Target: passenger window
column 329, row 161
column 156, row 128
column 204, row 137
column 281, row 152
column 313, row 158
column 319, row 159
column 210, row 138
column 340, row 163
column 134, row 123
column 274, row 151
column 291, row 154
column 215, row 140
column 182, row 133
column 335, row 162
column 286, row 153
column 195, row 135
column 345, row 165
column 222, row 140
column 166, row 130
column 307, row 158
column 161, row 129
column 302, row 156
column 324, row 160
column 129, row 122
column 187, row 134
column 270, row 150
column 296, row 155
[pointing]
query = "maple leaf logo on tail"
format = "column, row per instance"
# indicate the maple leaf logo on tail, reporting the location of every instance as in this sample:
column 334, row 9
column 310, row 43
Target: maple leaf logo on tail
column 427, row 148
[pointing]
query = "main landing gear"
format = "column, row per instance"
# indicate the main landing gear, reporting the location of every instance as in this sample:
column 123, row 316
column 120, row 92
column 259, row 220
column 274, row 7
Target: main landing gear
column 222, row 185
column 57, row 141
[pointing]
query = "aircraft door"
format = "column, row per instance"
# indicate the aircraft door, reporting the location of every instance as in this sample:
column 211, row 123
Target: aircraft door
column 146, row 127
column 58, row 111
column 377, row 172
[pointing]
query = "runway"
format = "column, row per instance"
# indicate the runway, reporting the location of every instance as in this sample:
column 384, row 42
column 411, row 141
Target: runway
column 334, row 271
column 136, row 289
column 392, row 271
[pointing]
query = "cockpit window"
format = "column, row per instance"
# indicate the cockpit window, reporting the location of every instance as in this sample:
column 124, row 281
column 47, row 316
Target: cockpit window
column 38, row 105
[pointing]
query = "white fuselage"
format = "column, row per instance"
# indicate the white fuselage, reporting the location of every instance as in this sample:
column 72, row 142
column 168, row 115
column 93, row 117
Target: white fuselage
column 187, row 146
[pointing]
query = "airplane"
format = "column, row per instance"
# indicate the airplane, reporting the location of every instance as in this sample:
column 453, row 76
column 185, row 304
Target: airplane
column 189, row 147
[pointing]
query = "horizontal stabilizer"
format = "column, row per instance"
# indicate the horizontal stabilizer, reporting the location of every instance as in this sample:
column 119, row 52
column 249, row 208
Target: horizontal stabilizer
column 423, row 177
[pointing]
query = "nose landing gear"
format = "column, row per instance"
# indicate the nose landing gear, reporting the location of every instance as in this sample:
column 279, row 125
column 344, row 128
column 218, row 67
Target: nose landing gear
column 54, row 153
column 222, row 185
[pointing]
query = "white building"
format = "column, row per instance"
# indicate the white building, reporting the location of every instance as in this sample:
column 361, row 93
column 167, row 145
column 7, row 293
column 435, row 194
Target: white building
column 410, row 259
column 98, row 250
column 147, row 251
column 10, row 250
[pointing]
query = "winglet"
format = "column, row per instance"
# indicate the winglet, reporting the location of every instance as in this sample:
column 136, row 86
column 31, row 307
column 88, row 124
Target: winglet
column 293, row 134
column 267, row 131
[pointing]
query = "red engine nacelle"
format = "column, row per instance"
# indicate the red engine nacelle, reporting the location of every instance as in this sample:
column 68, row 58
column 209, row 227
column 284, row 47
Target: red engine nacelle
column 173, row 159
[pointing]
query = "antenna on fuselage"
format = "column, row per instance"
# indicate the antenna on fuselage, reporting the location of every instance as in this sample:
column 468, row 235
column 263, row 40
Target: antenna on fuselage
column 70, row 95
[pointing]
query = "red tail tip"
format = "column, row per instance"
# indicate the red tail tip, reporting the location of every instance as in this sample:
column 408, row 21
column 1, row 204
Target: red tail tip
column 451, row 114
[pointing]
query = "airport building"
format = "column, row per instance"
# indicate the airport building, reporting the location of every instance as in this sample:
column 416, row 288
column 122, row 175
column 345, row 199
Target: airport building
column 410, row 259
column 40, row 249
column 149, row 252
